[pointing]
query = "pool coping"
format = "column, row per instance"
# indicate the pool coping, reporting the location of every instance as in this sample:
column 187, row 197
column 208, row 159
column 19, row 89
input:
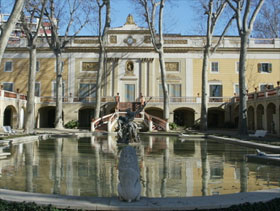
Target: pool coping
column 145, row 203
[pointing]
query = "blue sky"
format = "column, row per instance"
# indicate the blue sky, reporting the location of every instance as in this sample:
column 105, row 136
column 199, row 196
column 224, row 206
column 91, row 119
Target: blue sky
column 179, row 16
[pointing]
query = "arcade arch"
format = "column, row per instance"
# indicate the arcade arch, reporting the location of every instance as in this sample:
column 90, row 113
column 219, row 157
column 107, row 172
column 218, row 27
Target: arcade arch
column 85, row 116
column 271, row 118
column 251, row 118
column 260, row 119
column 184, row 117
column 216, row 117
column 46, row 117
column 10, row 116
column 158, row 112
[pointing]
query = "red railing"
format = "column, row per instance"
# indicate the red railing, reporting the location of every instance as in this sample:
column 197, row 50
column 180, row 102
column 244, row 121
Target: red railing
column 158, row 123
column 261, row 94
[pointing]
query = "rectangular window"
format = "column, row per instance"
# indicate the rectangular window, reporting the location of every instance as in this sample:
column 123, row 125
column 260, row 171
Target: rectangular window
column 264, row 67
column 8, row 66
column 236, row 89
column 37, row 66
column 37, row 89
column 265, row 87
column 216, row 90
column 174, row 90
column 87, row 90
column 8, row 86
column 215, row 67
column 54, row 88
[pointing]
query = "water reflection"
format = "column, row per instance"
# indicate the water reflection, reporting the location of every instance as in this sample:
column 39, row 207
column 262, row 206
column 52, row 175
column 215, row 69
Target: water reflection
column 169, row 167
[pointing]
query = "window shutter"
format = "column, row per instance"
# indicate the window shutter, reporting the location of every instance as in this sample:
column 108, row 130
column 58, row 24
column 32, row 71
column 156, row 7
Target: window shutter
column 269, row 67
column 259, row 67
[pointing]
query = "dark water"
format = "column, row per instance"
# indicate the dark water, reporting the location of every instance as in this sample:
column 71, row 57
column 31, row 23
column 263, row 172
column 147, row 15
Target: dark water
column 169, row 167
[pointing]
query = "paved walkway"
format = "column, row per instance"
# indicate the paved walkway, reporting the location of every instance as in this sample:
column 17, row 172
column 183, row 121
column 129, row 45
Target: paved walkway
column 113, row 203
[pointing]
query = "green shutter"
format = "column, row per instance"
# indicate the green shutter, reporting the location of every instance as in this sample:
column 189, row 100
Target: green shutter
column 269, row 67
column 259, row 67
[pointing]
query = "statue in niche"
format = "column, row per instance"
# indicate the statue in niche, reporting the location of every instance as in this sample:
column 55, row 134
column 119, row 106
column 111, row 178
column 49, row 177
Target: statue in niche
column 129, row 187
column 129, row 67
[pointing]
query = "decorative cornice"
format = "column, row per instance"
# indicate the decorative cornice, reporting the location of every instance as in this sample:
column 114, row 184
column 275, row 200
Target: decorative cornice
column 131, row 32
column 170, row 49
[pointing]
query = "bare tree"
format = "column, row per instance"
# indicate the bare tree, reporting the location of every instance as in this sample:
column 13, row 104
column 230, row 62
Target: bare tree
column 153, row 8
column 7, row 28
column 102, row 37
column 267, row 24
column 34, row 9
column 54, row 12
column 213, row 9
column 245, row 20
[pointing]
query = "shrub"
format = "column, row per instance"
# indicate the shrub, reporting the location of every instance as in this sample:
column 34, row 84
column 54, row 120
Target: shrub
column 173, row 126
column 72, row 124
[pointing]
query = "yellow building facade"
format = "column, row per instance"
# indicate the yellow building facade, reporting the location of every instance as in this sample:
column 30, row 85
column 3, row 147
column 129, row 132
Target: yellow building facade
column 132, row 68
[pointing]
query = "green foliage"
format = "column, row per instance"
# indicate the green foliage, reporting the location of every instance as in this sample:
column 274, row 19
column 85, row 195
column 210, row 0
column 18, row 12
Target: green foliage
column 173, row 126
column 72, row 124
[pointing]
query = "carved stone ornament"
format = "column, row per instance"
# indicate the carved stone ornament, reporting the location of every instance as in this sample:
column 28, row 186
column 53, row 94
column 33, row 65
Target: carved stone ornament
column 90, row 66
column 129, row 187
column 130, row 19
column 129, row 68
column 129, row 40
column 113, row 39
column 172, row 66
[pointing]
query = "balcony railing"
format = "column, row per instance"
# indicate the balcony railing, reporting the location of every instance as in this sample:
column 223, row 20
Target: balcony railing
column 12, row 95
column 154, row 99
column 260, row 95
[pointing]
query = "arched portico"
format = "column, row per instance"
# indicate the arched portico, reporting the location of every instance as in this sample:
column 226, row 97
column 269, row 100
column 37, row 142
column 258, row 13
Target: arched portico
column 260, row 115
column 251, row 118
column 10, row 116
column 85, row 116
column 184, row 117
column 216, row 117
column 46, row 117
column 271, row 118
column 158, row 112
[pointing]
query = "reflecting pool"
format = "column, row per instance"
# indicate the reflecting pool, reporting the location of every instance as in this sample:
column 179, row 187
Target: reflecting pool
column 169, row 167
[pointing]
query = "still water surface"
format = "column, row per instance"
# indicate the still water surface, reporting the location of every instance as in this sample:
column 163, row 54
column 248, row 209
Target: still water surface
column 169, row 167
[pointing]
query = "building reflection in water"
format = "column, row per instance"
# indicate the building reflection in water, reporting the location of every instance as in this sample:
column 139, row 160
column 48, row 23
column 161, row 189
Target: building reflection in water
column 169, row 167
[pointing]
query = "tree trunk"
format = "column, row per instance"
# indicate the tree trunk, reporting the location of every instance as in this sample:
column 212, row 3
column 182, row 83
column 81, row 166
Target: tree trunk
column 204, row 93
column 98, row 82
column 9, row 26
column 243, row 130
column 164, row 85
column 29, row 119
column 59, row 97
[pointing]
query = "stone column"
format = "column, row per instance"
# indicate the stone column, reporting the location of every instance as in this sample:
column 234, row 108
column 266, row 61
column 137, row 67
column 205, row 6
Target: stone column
column 265, row 118
column 114, row 75
column 150, row 78
column 277, row 120
column 255, row 117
